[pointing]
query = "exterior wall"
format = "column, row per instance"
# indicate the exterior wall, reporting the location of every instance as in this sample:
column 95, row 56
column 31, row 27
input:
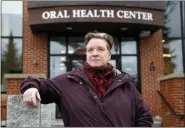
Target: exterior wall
column 151, row 50
column 13, row 87
column 35, row 46
column 173, row 92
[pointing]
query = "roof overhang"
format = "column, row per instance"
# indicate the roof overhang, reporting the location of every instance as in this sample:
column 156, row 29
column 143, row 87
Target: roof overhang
column 157, row 5
column 86, row 18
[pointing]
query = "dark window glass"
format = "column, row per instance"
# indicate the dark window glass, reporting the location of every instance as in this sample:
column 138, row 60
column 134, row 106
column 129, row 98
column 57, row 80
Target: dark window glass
column 128, row 47
column 172, row 54
column 17, row 43
column 57, row 45
column 76, row 63
column 12, row 18
column 172, row 19
column 57, row 65
column 76, row 45
column 113, row 63
column 116, row 48
column 58, row 113
column 129, row 65
column 11, row 57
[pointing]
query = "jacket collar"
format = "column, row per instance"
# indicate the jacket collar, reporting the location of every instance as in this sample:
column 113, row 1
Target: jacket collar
column 121, row 78
column 80, row 73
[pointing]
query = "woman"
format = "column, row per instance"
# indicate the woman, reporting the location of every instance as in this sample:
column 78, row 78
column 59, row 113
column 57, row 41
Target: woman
column 95, row 94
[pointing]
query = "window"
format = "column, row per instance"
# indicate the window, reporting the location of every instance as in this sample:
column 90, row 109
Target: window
column 58, row 45
column 129, row 61
column 115, row 47
column 172, row 54
column 128, row 47
column 172, row 35
column 57, row 65
column 76, row 45
column 12, row 18
column 129, row 65
column 11, row 39
column 172, row 19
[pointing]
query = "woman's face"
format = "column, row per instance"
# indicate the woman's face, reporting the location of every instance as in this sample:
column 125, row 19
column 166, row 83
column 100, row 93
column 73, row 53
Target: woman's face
column 97, row 54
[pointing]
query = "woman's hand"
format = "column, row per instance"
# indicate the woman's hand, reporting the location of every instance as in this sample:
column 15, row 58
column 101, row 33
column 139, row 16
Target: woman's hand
column 31, row 97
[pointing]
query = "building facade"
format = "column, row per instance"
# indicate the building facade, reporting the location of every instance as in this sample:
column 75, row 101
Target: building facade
column 48, row 39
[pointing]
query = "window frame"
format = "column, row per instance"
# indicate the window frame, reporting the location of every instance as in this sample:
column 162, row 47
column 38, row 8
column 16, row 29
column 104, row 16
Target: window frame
column 14, row 37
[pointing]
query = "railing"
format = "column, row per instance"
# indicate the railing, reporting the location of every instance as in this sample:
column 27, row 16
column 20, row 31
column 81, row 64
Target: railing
column 181, row 116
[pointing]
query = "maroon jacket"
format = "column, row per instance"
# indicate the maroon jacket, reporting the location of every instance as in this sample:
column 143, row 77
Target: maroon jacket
column 121, row 106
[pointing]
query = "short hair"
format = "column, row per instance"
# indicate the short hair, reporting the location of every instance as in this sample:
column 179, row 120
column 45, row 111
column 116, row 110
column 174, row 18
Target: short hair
column 108, row 38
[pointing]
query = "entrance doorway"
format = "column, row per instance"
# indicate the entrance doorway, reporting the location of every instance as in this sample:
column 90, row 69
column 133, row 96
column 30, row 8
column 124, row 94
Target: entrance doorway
column 75, row 61
column 67, row 53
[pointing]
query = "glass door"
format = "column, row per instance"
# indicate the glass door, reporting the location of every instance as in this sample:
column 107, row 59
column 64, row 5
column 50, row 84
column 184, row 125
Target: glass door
column 75, row 61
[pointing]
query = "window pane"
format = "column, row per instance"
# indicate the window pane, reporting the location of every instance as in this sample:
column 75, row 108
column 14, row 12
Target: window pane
column 115, row 48
column 12, row 53
column 57, row 65
column 128, row 47
column 11, row 58
column 173, row 56
column 57, row 45
column 129, row 65
column 76, row 63
column 12, row 18
column 76, row 45
column 113, row 63
column 172, row 19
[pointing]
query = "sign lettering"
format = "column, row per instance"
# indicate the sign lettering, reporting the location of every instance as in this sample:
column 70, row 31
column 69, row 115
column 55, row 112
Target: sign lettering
column 83, row 13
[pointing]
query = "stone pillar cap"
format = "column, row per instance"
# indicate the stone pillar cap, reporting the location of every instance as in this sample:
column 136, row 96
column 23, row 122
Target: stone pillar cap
column 19, row 76
column 171, row 76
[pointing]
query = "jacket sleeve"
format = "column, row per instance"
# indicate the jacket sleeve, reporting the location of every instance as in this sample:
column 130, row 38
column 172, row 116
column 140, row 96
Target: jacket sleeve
column 49, row 92
column 143, row 116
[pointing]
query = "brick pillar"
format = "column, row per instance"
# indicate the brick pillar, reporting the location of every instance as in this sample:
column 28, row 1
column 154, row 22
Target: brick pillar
column 172, row 88
column 3, row 107
column 151, row 50
column 35, row 47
